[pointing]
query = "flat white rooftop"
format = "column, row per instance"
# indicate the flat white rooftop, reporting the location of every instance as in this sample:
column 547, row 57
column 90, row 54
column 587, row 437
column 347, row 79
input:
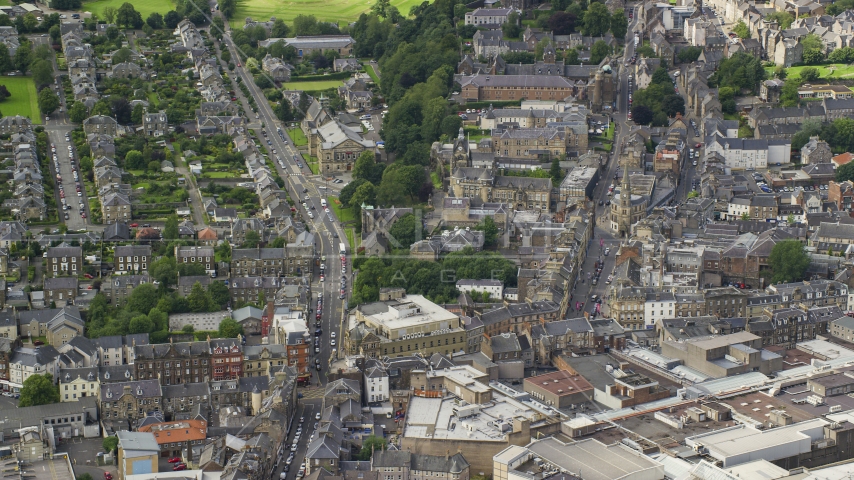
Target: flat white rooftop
column 412, row 314
column 462, row 375
column 492, row 423
column 593, row 460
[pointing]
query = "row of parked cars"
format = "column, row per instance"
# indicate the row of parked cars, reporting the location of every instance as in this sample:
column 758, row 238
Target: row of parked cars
column 66, row 204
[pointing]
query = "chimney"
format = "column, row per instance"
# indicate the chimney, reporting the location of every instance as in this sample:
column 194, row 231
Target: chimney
column 447, row 455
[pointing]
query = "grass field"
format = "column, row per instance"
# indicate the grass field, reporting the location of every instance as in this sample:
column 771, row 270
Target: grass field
column 339, row 11
column 145, row 8
column 312, row 86
column 373, row 74
column 343, row 214
column 839, row 70
column 297, row 136
column 23, row 101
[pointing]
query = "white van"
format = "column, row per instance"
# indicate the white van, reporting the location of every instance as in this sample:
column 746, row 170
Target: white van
column 323, row 202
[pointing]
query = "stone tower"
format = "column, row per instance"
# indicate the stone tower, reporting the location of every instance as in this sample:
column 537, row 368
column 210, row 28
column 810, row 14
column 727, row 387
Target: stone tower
column 549, row 54
column 461, row 157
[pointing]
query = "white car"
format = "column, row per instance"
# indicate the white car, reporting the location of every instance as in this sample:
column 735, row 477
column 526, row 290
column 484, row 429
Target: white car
column 332, row 335
column 294, row 447
column 310, row 215
column 316, row 415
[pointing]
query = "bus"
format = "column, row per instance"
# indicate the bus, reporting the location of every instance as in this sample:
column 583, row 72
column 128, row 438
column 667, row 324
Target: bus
column 342, row 249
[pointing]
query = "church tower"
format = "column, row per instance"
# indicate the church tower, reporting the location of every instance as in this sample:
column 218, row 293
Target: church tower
column 461, row 157
column 549, row 54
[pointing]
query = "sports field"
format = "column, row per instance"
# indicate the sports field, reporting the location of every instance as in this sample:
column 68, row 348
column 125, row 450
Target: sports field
column 145, row 8
column 23, row 101
column 338, row 11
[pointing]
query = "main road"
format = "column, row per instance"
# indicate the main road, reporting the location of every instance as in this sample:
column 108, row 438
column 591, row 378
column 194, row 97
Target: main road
column 328, row 234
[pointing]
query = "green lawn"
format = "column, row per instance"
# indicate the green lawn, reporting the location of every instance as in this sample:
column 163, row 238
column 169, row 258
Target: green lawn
column 312, row 86
column 145, row 8
column 351, row 239
column 339, row 11
column 297, row 136
column 23, row 100
column 839, row 70
column 219, row 174
column 370, row 69
column 343, row 214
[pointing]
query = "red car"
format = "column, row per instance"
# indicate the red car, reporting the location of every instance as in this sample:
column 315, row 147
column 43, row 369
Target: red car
column 175, row 460
column 88, row 275
column 699, row 145
column 134, row 225
column 180, row 466
column 108, row 476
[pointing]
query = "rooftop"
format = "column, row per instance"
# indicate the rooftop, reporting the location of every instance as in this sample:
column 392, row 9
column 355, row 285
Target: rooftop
column 594, row 460
column 411, row 314
column 559, row 383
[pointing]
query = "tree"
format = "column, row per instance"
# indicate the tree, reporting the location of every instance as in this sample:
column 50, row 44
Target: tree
column 788, row 261
column 741, row 29
column 110, row 14
column 641, row 114
column 219, row 294
column 136, row 114
column 6, row 64
column 689, row 54
column 110, row 444
column 511, row 28
column 140, row 324
column 170, row 229
column 406, row 231
column 555, row 171
column 813, row 56
column 227, row 7
column 790, row 219
column 451, row 125
column 812, row 42
column 845, row 172
column 42, row 73
column 490, row 231
column 597, row 20
column 252, row 239
column 48, row 101
column 171, row 19
column 127, row 16
column 784, row 19
column 30, row 22
column 143, row 298
column 39, row 390
column 134, row 160
column 369, row 444
column 619, row 23
column 122, row 55
column 365, row 194
column 599, row 51
column 23, row 57
column 380, row 8
column 280, row 29
column 562, row 23
column 660, row 77
column 673, row 104
column 155, row 21
column 188, row 328
column 809, row 74
column 78, row 112
column 229, row 328
column 165, row 270
column 198, row 298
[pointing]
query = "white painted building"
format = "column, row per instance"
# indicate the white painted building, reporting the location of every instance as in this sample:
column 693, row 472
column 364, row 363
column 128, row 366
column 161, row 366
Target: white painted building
column 750, row 153
column 658, row 306
column 488, row 16
column 494, row 287
column 376, row 385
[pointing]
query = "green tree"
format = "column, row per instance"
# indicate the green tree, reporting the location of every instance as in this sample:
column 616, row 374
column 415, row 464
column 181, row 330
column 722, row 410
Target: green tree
column 661, row 77
column 170, row 229
column 110, row 443
column 219, row 293
column 140, row 324
column 369, row 445
column 511, row 28
column 845, row 172
column 164, row 270
column 110, row 14
column 23, row 56
column 134, row 160
column 689, row 54
column 127, row 16
column 490, row 231
column 641, row 114
column 619, row 24
column 42, row 71
column 789, row 92
column 741, row 30
column 788, row 261
column 597, row 20
column 188, row 328
column 155, row 21
column 406, row 231
column 784, row 19
column 599, row 50
column 745, row 216
column 198, row 298
column 812, row 42
column 555, row 171
column 30, row 22
column 252, row 239
column 693, row 194
column 813, row 56
column 77, row 113
column 136, row 114
column 790, row 219
column 229, row 328
column 142, row 299
column 6, row 64
column 227, row 7
column 365, row 194
column 171, row 19
column 48, row 101
column 39, row 390
column 809, row 74
column 122, row 55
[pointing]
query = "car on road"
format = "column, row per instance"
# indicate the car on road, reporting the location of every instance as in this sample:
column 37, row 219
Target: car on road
column 317, row 416
column 108, row 476
column 175, row 460
column 179, row 467
column 294, row 447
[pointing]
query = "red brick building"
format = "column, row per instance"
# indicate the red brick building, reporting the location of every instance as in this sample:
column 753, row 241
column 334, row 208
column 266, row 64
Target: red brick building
column 299, row 352
column 227, row 359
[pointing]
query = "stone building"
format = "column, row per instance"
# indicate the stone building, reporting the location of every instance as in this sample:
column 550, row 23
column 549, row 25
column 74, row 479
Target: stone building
column 130, row 400
column 627, row 208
